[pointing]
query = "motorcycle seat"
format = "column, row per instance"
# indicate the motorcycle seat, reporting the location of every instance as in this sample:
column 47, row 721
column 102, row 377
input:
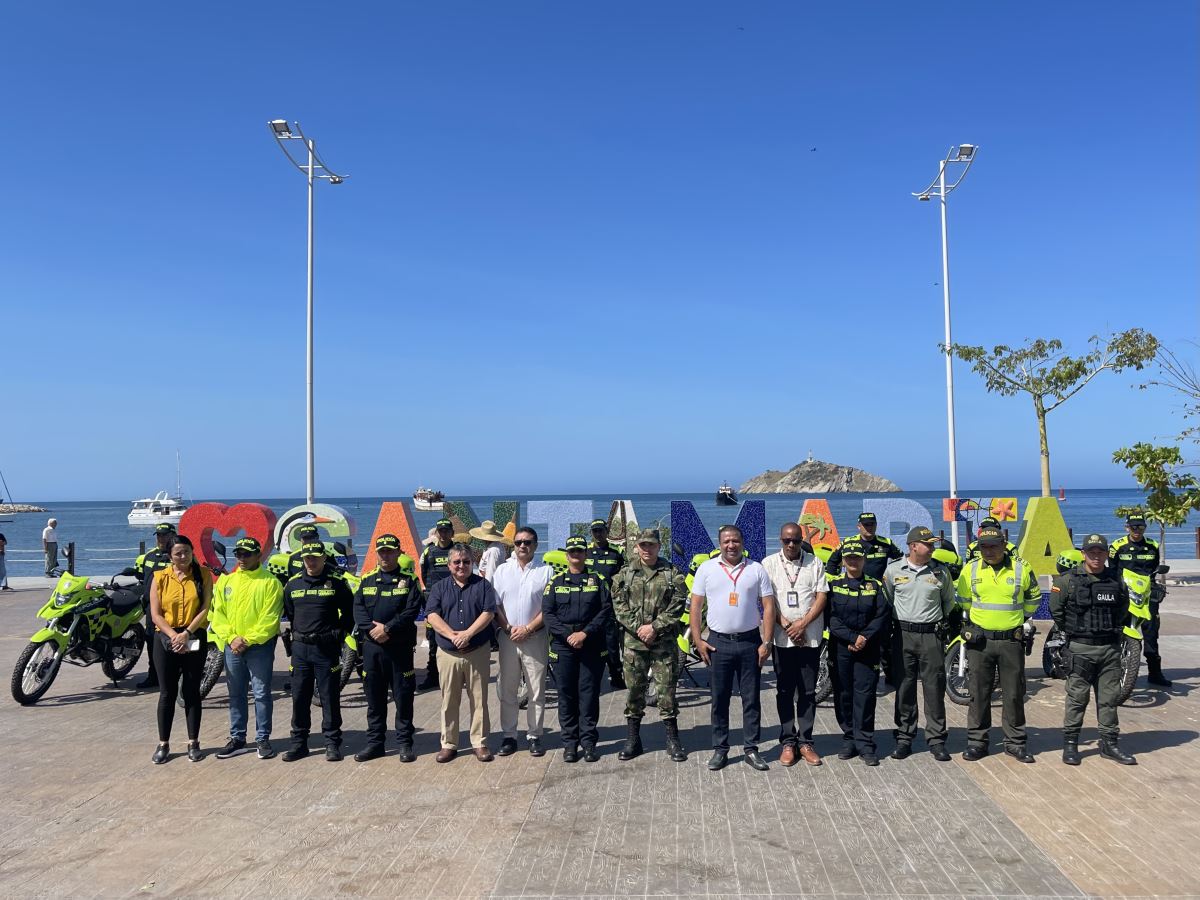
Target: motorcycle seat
column 124, row 601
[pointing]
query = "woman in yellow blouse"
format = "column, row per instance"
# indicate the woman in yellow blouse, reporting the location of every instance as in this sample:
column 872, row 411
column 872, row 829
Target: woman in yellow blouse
column 179, row 599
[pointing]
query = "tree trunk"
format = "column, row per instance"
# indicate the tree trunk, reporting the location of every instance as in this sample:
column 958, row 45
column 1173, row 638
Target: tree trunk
column 1040, row 409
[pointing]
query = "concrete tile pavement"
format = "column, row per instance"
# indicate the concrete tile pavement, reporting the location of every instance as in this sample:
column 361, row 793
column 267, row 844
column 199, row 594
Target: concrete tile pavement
column 85, row 813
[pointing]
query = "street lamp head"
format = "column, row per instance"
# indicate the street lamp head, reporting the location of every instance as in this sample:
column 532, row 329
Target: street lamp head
column 281, row 128
column 336, row 179
column 924, row 198
column 965, row 152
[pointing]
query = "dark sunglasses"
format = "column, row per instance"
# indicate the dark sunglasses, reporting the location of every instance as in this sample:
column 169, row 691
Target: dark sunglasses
column 524, row 543
column 460, row 562
column 241, row 554
column 791, row 540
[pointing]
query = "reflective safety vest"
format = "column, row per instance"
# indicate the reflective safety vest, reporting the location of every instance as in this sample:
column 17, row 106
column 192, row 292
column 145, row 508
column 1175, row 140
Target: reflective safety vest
column 998, row 599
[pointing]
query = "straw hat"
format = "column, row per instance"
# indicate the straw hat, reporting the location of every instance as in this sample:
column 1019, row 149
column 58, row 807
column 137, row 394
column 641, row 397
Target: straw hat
column 462, row 537
column 430, row 538
column 487, row 532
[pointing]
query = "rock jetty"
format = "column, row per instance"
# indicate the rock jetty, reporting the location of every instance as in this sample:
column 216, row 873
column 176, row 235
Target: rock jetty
column 6, row 508
column 816, row 477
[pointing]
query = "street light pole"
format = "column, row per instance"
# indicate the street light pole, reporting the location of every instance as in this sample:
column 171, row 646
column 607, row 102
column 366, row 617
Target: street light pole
column 313, row 170
column 963, row 153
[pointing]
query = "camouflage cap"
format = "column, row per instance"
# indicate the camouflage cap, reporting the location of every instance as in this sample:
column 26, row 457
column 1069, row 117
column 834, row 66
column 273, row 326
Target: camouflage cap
column 853, row 547
column 920, row 535
column 312, row 548
column 575, row 542
column 649, row 536
column 1093, row 541
column 989, row 537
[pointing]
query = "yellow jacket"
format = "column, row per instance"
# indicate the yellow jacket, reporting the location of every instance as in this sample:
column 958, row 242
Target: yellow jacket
column 246, row 605
column 999, row 598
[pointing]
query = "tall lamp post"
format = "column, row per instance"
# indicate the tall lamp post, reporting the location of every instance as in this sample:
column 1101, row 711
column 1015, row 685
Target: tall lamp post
column 313, row 169
column 964, row 155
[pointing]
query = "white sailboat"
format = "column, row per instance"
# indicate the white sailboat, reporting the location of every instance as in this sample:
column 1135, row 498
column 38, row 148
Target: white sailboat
column 163, row 506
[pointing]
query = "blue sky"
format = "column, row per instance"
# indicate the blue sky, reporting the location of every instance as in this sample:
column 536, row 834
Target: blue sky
column 583, row 247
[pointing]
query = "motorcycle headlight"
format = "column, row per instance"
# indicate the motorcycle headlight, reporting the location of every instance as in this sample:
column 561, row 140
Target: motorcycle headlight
column 61, row 600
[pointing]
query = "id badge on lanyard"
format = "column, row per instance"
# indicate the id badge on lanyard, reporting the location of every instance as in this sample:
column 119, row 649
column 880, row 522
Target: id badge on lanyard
column 733, row 595
column 793, row 600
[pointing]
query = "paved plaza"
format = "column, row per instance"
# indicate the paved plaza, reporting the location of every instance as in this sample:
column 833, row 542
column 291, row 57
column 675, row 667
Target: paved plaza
column 84, row 813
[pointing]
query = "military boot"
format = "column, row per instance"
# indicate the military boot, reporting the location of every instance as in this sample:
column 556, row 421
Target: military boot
column 1155, row 675
column 1109, row 749
column 633, row 740
column 1071, row 751
column 674, row 745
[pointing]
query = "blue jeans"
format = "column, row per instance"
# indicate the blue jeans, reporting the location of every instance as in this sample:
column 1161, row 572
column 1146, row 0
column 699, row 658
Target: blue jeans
column 252, row 667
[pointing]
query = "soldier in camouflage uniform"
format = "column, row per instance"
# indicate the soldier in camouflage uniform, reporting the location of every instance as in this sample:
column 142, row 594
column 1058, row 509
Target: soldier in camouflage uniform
column 649, row 595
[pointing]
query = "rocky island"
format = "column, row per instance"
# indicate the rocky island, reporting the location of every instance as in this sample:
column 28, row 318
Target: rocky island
column 6, row 508
column 816, row 477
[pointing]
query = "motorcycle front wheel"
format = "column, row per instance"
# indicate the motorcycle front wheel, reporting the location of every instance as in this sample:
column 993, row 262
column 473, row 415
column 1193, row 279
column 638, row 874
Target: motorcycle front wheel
column 35, row 671
column 824, row 680
column 127, row 651
column 214, row 665
column 958, row 686
column 1052, row 654
column 1131, row 665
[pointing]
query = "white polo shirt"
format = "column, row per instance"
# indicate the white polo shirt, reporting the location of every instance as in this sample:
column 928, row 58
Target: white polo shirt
column 716, row 581
column 519, row 591
column 797, row 582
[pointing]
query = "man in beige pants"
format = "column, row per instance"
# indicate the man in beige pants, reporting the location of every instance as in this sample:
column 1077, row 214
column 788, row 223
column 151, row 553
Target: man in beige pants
column 460, row 610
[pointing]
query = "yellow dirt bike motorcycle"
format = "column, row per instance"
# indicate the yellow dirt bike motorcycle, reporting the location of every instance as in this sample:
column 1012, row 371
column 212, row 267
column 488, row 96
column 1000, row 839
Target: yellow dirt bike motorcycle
column 86, row 623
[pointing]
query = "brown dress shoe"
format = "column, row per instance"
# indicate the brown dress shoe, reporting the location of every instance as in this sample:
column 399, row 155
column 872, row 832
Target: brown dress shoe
column 483, row 754
column 788, row 756
column 809, row 755
column 446, row 754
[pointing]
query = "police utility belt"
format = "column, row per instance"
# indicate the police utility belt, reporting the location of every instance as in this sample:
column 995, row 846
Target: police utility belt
column 318, row 637
column 1095, row 639
column 921, row 627
column 974, row 635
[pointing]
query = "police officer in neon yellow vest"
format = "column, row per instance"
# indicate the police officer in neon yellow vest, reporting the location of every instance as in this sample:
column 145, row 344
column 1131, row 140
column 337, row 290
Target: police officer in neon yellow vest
column 1138, row 553
column 998, row 592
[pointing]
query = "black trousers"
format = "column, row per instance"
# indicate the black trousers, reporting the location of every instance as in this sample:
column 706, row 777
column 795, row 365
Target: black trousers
column 578, row 674
column 1009, row 658
column 920, row 657
column 735, row 659
column 384, row 667
column 319, row 663
column 855, row 676
column 1150, row 630
column 151, row 671
column 171, row 668
column 795, row 693
column 613, row 642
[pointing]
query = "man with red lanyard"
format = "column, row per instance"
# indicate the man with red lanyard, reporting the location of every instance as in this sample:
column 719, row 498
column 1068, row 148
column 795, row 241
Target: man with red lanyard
column 739, row 639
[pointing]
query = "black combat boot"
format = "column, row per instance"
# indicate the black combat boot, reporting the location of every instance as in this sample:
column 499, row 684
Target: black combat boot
column 1109, row 749
column 674, row 745
column 1155, row 675
column 1071, row 751
column 633, row 740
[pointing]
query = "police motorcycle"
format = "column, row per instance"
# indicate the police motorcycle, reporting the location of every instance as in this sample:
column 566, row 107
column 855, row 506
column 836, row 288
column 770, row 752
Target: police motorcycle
column 86, row 623
column 1056, row 657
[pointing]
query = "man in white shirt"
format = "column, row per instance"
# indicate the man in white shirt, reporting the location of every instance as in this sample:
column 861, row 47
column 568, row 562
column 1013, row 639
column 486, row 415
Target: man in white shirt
column 731, row 587
column 523, row 639
column 50, row 546
column 495, row 553
column 801, row 591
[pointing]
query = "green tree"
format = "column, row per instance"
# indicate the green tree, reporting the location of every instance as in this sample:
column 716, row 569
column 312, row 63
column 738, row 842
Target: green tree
column 1051, row 377
column 1171, row 494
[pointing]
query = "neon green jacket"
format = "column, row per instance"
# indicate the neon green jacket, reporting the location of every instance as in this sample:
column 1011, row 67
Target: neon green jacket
column 246, row 605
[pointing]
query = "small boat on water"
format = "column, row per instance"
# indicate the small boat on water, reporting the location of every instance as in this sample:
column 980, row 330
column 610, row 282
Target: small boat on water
column 1062, row 494
column 428, row 500
column 162, row 507
column 726, row 495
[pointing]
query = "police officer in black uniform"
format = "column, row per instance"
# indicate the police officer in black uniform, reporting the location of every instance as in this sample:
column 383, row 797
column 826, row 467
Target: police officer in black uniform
column 880, row 552
column 1138, row 553
column 858, row 612
column 605, row 559
column 576, row 608
column 435, row 565
column 1090, row 604
column 319, row 607
column 385, row 613
column 308, row 534
column 144, row 568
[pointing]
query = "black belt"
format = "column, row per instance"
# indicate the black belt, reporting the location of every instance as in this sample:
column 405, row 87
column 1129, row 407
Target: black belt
column 1009, row 634
column 740, row 636
column 919, row 627
column 317, row 637
column 1095, row 639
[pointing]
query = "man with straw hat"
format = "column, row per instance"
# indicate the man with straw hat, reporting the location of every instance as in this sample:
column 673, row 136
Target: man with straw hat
column 495, row 553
